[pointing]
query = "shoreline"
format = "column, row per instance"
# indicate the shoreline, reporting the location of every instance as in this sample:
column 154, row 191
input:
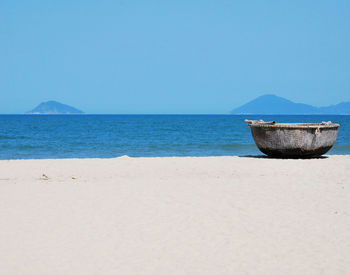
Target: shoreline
column 260, row 156
column 175, row 215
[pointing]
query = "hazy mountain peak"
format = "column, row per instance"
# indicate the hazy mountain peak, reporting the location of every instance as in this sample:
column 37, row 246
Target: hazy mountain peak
column 54, row 107
column 272, row 104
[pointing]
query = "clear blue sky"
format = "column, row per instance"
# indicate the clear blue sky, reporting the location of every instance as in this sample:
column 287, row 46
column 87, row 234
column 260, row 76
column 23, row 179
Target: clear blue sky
column 172, row 56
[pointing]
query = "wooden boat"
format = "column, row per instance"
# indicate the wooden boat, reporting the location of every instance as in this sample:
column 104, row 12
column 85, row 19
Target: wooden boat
column 293, row 140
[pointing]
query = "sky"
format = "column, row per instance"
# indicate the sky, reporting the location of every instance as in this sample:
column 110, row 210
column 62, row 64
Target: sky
column 172, row 57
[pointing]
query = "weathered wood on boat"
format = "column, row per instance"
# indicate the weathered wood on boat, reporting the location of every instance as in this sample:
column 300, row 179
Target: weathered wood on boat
column 299, row 140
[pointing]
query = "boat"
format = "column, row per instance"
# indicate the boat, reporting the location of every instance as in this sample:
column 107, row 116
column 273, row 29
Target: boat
column 293, row 140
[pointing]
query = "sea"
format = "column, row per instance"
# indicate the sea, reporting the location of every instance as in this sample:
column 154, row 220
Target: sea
column 110, row 136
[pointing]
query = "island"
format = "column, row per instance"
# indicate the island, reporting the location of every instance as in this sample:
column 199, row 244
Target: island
column 270, row 104
column 54, row 108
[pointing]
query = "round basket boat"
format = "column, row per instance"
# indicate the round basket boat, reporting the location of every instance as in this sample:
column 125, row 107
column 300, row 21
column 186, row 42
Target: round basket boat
column 293, row 140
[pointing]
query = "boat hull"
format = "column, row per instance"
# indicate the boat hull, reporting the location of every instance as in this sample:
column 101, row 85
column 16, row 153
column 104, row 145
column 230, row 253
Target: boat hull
column 299, row 141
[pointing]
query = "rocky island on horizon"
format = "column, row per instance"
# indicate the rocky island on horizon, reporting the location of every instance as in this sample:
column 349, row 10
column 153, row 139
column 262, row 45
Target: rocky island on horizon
column 54, row 108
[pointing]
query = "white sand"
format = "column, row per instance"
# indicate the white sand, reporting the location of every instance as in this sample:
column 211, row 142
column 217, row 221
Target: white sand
column 219, row 215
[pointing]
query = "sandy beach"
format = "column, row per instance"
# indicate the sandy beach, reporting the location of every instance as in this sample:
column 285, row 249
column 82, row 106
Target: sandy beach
column 214, row 215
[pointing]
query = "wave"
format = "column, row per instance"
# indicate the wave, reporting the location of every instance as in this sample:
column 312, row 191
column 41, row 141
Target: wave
column 202, row 145
column 12, row 137
column 22, row 147
column 341, row 148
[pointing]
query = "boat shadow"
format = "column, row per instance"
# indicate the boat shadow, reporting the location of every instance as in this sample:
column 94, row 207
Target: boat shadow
column 268, row 157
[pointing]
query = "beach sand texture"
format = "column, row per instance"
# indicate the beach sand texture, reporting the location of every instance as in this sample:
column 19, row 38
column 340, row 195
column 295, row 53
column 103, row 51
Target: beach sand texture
column 213, row 215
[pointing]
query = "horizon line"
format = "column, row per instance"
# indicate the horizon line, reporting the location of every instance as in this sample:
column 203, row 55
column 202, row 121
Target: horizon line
column 175, row 114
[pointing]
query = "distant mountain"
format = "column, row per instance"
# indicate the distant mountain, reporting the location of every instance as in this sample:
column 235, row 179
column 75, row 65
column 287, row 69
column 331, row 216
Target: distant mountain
column 342, row 108
column 54, row 107
column 272, row 104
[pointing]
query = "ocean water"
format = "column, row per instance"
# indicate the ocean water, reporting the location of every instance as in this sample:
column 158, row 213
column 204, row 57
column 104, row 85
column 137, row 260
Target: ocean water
column 108, row 136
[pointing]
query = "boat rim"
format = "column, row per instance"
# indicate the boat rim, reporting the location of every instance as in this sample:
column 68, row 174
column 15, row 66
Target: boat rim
column 296, row 125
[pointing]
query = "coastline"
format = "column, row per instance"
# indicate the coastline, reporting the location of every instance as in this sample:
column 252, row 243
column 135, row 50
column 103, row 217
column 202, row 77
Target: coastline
column 175, row 215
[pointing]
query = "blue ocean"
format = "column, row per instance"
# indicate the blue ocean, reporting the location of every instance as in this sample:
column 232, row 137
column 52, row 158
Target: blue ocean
column 109, row 136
